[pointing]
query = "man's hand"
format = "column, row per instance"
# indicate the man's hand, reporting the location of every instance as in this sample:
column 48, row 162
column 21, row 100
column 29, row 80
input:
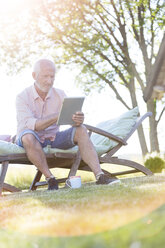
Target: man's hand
column 78, row 118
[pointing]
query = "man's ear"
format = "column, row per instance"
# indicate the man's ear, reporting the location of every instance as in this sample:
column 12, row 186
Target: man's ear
column 34, row 75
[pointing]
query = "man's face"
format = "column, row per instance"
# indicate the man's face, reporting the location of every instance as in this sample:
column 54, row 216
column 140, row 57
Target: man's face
column 45, row 77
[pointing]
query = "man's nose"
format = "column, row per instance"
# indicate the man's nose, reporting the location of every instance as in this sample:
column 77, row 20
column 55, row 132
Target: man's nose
column 49, row 80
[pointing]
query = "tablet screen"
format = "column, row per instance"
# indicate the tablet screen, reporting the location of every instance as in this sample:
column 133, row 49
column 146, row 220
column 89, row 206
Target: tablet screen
column 69, row 107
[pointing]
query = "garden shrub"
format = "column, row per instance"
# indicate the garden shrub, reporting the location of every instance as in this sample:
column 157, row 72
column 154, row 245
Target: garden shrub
column 155, row 164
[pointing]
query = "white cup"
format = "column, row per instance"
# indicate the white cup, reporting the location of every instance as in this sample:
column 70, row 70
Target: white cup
column 73, row 182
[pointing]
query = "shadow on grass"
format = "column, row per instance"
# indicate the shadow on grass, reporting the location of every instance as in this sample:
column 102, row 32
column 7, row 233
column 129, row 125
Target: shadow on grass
column 147, row 232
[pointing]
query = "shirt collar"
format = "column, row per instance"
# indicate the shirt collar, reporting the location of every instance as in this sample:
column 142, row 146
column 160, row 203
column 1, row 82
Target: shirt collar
column 35, row 94
column 49, row 94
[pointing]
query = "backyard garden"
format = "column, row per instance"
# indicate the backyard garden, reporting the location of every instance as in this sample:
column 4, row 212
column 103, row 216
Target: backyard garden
column 113, row 53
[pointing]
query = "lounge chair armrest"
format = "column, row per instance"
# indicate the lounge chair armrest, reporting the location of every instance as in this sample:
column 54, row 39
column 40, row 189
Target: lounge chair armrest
column 106, row 134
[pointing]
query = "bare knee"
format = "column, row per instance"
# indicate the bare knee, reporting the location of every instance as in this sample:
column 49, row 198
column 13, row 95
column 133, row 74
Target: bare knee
column 28, row 140
column 81, row 132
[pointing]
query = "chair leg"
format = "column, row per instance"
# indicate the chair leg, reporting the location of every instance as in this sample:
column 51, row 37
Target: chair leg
column 10, row 188
column 3, row 174
column 36, row 179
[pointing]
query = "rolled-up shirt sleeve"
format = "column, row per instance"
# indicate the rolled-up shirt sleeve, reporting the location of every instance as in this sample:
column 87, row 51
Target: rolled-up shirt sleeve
column 25, row 116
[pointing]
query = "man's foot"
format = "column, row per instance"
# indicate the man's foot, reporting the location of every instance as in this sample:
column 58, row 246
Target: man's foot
column 52, row 184
column 105, row 179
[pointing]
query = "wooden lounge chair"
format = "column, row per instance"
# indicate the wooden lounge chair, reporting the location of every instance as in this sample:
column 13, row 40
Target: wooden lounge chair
column 106, row 143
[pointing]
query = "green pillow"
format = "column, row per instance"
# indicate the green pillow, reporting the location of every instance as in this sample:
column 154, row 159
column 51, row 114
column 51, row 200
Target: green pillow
column 120, row 127
column 10, row 148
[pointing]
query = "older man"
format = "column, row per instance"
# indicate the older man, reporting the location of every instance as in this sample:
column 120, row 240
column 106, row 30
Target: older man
column 37, row 113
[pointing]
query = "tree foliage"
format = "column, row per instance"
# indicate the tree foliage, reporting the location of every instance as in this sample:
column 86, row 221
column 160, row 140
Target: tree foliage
column 112, row 42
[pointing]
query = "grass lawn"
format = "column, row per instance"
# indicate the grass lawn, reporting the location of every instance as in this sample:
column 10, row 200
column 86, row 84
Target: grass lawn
column 128, row 215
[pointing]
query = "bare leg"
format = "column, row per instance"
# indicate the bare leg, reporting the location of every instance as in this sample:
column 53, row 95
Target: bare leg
column 35, row 154
column 87, row 150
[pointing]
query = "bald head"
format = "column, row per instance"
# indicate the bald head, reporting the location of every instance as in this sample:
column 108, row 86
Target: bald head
column 43, row 63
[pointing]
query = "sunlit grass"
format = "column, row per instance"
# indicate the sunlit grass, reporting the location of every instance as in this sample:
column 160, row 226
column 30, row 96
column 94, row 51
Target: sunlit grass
column 21, row 176
column 90, row 209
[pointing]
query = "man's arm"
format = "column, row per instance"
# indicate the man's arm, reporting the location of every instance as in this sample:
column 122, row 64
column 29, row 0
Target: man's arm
column 45, row 122
column 26, row 117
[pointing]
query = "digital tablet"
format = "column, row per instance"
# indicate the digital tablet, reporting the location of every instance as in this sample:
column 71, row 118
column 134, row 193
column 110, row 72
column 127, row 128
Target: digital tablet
column 69, row 107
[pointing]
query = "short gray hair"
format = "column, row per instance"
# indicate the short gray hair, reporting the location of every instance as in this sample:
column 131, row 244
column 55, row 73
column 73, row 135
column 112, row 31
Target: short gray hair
column 38, row 63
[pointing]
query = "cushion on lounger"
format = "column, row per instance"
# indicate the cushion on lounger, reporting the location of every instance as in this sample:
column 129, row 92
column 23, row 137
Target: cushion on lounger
column 120, row 127
column 10, row 148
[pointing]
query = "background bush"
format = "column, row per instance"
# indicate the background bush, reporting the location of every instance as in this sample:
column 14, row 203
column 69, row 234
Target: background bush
column 155, row 164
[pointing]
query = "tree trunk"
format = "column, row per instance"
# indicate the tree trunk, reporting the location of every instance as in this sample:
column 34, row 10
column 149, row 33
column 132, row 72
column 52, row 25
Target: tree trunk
column 154, row 144
column 140, row 130
column 142, row 140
